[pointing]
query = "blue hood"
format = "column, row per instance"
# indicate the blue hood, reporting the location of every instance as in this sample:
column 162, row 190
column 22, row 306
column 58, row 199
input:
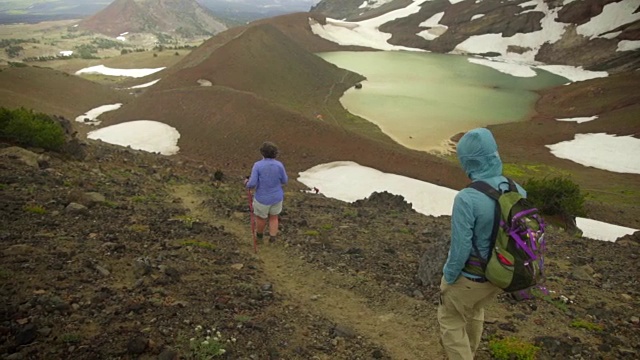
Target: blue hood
column 478, row 154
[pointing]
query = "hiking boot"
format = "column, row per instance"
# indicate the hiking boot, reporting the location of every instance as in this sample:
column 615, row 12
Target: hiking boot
column 272, row 239
column 260, row 238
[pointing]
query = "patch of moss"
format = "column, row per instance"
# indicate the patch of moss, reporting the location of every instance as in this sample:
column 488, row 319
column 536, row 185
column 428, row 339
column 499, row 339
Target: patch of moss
column 586, row 324
column 200, row 244
column 35, row 209
column 511, row 348
column 523, row 171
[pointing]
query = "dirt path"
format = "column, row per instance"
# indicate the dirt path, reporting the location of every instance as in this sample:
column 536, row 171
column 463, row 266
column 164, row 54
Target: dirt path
column 396, row 322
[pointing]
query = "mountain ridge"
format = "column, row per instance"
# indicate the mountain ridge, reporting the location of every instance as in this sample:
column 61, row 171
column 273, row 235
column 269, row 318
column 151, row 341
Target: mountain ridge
column 185, row 17
column 590, row 34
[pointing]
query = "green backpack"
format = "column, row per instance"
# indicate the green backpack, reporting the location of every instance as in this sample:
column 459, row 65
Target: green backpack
column 516, row 259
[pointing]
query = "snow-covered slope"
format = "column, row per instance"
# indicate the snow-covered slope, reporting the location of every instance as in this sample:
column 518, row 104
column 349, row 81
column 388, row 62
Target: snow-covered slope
column 595, row 34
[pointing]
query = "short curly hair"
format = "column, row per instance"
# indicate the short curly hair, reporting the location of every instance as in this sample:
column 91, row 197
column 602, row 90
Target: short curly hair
column 269, row 150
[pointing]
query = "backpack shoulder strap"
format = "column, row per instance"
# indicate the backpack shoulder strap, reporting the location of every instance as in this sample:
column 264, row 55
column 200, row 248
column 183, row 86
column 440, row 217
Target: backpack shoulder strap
column 488, row 190
column 512, row 185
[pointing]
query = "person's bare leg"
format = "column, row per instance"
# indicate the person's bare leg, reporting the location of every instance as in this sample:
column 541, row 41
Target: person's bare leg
column 260, row 225
column 273, row 227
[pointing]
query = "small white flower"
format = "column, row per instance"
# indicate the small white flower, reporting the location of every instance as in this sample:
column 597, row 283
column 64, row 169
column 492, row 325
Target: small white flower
column 208, row 337
column 222, row 351
column 192, row 339
column 216, row 339
column 198, row 328
column 218, row 334
column 233, row 339
column 208, row 331
column 205, row 342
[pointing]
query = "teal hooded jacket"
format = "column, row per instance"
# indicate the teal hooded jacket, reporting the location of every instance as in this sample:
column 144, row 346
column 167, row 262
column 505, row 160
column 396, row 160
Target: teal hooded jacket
column 473, row 212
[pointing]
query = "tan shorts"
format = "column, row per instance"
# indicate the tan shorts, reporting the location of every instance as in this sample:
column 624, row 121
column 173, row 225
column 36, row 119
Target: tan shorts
column 263, row 211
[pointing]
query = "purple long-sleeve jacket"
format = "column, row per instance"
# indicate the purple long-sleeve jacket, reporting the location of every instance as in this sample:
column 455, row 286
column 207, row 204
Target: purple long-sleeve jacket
column 267, row 177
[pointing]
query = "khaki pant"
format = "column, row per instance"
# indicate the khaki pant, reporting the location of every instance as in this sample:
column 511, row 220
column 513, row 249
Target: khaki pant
column 461, row 315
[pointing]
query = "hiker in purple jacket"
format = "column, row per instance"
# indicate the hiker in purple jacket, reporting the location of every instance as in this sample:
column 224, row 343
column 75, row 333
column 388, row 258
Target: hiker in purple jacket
column 267, row 177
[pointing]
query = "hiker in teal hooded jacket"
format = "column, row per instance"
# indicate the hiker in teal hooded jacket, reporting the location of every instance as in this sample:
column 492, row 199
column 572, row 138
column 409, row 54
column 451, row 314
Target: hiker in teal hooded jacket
column 465, row 293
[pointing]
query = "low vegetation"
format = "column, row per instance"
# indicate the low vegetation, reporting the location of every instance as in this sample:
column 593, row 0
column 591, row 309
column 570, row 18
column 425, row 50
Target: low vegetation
column 556, row 196
column 587, row 325
column 511, row 348
column 28, row 128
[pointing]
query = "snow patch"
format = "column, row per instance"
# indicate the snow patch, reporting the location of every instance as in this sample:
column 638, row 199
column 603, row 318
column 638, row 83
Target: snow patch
column 121, row 38
column 551, row 32
column 343, row 180
column 601, row 151
column 477, row 16
column 91, row 116
column 144, row 85
column 432, row 21
column 147, row 135
column 518, row 70
column 579, row 120
column 628, row 45
column 613, row 15
column 365, row 33
column 435, row 29
column 598, row 230
column 573, row 73
column 101, row 69
column 528, row 3
column 66, row 53
column 204, row 82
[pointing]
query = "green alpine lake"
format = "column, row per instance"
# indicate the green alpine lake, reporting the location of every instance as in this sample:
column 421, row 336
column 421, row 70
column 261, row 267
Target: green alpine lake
column 423, row 99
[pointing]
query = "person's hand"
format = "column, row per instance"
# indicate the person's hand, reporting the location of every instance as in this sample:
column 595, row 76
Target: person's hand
column 245, row 181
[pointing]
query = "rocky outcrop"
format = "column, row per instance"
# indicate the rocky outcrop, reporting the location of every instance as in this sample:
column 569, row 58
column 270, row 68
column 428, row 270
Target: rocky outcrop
column 579, row 33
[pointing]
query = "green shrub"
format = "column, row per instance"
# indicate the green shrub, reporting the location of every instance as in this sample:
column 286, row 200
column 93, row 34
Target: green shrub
column 511, row 348
column 31, row 129
column 312, row 233
column 556, row 196
column 218, row 175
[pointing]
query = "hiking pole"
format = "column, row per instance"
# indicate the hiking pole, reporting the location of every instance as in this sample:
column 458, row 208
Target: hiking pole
column 253, row 222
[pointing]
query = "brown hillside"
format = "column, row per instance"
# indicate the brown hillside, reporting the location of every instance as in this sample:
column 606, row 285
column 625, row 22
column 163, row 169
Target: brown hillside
column 266, row 86
column 264, row 61
column 225, row 127
column 53, row 92
column 294, row 26
column 185, row 16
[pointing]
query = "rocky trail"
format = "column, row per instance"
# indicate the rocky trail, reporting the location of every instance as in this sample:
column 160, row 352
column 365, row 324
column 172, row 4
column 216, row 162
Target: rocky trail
column 396, row 322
